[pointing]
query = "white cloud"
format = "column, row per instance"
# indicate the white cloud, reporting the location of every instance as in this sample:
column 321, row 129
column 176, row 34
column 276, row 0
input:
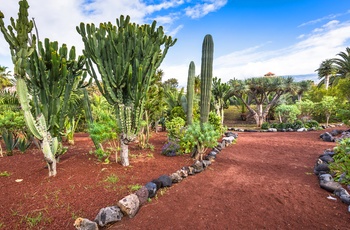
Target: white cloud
column 202, row 9
column 303, row 57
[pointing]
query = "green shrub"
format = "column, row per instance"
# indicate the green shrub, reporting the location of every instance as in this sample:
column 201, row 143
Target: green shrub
column 311, row 123
column 215, row 121
column 341, row 162
column 265, row 125
column 177, row 111
column 298, row 124
column 106, row 132
column 200, row 138
column 281, row 126
column 287, row 113
column 174, row 128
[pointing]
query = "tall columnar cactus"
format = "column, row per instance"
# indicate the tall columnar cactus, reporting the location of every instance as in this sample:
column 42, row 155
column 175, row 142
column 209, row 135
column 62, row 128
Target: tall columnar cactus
column 126, row 57
column 206, row 77
column 190, row 92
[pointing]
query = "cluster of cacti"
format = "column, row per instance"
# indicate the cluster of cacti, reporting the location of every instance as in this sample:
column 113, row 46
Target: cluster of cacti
column 126, row 57
column 190, row 92
column 52, row 75
column 206, row 77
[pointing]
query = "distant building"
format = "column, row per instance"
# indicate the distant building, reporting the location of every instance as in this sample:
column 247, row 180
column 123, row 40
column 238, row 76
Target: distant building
column 269, row 74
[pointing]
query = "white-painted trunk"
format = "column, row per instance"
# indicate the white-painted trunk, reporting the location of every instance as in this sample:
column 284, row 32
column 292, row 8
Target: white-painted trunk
column 124, row 153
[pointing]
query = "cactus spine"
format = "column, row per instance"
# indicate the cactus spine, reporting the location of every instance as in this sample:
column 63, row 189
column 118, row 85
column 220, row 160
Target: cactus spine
column 190, row 92
column 206, row 77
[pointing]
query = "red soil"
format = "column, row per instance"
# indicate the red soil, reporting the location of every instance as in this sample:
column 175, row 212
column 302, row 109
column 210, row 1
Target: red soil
column 265, row 181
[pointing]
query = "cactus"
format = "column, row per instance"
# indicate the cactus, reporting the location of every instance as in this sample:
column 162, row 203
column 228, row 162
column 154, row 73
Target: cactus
column 46, row 74
column 206, row 77
column 126, row 57
column 190, row 92
column 38, row 128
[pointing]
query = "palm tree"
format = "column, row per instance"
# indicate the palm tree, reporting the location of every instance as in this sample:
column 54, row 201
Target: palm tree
column 5, row 81
column 325, row 71
column 342, row 65
column 302, row 87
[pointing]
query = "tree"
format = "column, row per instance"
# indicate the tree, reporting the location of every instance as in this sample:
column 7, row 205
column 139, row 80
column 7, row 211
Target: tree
column 328, row 106
column 264, row 93
column 302, row 87
column 126, row 57
column 220, row 96
column 287, row 113
column 5, row 81
column 325, row 71
column 342, row 66
column 306, row 108
column 171, row 83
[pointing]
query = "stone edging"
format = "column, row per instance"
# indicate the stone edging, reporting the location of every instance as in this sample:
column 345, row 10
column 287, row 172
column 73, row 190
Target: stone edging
column 325, row 176
column 129, row 205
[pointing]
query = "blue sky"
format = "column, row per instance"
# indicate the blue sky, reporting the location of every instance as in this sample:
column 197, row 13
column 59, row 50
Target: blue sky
column 251, row 37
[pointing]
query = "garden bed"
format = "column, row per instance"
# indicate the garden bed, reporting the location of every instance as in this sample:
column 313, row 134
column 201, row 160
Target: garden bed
column 266, row 180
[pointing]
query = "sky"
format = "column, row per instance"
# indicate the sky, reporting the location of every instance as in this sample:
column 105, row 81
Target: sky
column 251, row 37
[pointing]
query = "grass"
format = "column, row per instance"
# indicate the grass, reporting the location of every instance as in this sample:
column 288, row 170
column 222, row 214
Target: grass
column 134, row 187
column 5, row 174
column 33, row 221
column 112, row 179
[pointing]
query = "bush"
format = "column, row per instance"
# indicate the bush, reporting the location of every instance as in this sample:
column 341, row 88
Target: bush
column 199, row 138
column 265, row 125
column 281, row 126
column 341, row 164
column 177, row 111
column 298, row 124
column 311, row 124
column 171, row 148
column 288, row 113
column 175, row 128
column 215, row 121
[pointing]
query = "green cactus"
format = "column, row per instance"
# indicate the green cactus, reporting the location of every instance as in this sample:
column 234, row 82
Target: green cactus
column 190, row 92
column 47, row 74
column 126, row 57
column 206, row 77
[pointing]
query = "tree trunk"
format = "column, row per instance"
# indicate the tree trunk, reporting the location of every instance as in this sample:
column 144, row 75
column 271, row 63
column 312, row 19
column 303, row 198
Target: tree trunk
column 326, row 81
column 222, row 115
column 259, row 117
column 52, row 166
column 327, row 119
column 124, row 152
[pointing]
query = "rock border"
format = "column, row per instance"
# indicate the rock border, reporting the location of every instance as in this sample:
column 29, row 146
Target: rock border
column 325, row 175
column 130, row 205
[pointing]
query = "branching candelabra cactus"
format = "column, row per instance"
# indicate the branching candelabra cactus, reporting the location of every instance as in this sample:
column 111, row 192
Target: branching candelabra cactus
column 48, row 75
column 126, row 57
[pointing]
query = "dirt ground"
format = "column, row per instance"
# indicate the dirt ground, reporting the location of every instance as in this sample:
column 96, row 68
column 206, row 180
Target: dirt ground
column 265, row 181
